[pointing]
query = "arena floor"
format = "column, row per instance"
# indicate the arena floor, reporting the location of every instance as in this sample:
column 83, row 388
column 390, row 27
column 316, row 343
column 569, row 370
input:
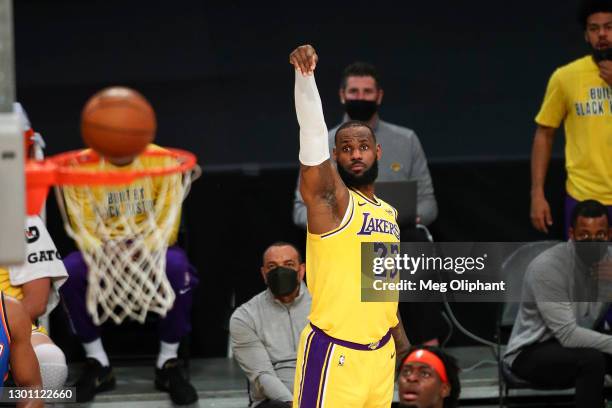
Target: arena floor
column 220, row 384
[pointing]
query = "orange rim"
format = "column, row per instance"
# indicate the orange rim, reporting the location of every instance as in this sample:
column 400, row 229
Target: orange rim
column 69, row 174
column 63, row 169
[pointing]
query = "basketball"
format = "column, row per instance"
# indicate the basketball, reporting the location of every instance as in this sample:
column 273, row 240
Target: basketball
column 118, row 122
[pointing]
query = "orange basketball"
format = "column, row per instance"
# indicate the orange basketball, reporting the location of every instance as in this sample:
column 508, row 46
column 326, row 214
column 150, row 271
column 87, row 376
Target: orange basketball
column 118, row 122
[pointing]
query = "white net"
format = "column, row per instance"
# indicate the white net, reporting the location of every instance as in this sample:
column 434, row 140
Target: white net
column 123, row 232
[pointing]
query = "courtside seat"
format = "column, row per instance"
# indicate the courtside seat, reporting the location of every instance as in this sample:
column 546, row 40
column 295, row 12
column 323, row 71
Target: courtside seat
column 513, row 271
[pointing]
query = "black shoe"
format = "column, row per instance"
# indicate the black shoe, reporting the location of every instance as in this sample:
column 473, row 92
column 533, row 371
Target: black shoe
column 93, row 380
column 171, row 379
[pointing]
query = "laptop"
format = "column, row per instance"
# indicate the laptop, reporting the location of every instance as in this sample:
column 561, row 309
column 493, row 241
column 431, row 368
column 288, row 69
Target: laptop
column 403, row 196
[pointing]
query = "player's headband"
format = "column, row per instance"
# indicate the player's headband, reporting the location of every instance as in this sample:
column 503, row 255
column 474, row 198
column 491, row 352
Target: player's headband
column 427, row 357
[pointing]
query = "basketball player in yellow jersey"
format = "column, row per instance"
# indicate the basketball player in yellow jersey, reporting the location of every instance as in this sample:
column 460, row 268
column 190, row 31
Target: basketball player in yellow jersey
column 347, row 353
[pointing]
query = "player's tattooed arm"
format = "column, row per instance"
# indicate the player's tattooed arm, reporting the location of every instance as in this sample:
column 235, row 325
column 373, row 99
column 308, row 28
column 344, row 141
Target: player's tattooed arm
column 23, row 361
column 325, row 195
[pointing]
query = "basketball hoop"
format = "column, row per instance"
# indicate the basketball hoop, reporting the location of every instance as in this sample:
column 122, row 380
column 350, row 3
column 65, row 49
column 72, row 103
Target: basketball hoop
column 122, row 220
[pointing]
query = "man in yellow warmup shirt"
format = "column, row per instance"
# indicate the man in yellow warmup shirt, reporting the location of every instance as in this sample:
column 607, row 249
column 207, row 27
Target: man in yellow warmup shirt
column 134, row 202
column 580, row 95
column 346, row 356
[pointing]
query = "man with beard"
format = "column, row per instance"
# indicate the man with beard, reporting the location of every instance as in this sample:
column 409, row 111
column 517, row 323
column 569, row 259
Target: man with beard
column 428, row 378
column 361, row 95
column 265, row 331
column 580, row 95
column 345, row 356
column 554, row 342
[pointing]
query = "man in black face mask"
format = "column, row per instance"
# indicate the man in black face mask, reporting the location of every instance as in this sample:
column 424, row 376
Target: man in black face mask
column 591, row 236
column 265, row 331
column 360, row 93
column 554, row 341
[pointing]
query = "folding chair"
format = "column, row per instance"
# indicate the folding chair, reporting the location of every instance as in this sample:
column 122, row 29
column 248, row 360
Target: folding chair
column 513, row 271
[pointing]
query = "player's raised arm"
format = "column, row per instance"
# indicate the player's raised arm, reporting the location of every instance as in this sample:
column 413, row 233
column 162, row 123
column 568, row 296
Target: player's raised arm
column 325, row 195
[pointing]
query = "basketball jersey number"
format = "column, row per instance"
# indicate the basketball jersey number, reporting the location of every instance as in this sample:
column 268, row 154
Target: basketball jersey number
column 381, row 250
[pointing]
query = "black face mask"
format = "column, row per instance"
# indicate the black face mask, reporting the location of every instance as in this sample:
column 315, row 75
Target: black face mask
column 602, row 55
column 591, row 251
column 282, row 281
column 367, row 177
column 361, row 110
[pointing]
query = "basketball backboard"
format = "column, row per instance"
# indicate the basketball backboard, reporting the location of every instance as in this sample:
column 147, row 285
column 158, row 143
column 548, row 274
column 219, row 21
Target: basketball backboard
column 12, row 194
column 12, row 177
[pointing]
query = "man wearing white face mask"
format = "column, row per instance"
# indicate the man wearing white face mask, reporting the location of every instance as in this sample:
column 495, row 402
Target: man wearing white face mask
column 265, row 331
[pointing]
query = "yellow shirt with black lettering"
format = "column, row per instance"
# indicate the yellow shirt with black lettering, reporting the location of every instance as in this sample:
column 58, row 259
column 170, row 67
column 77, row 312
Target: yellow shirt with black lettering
column 333, row 272
column 579, row 97
column 107, row 211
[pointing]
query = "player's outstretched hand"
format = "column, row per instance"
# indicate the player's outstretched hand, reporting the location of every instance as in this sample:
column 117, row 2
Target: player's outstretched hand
column 304, row 58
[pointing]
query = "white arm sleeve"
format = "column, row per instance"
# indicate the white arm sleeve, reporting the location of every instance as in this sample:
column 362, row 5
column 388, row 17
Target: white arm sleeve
column 314, row 148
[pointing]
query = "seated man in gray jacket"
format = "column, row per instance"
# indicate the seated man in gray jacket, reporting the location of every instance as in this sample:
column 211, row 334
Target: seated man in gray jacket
column 554, row 342
column 265, row 331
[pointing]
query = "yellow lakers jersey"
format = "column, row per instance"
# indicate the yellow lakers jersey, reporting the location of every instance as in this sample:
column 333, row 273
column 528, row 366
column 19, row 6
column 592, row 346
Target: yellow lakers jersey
column 136, row 200
column 333, row 271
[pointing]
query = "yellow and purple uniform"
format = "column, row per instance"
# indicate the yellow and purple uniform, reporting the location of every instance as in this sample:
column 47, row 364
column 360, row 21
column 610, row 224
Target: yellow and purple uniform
column 346, row 355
